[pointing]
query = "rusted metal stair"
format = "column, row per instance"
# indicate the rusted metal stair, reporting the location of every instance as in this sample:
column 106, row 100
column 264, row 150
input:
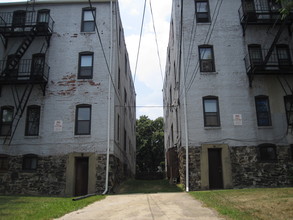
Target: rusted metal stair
column 12, row 63
column 20, row 102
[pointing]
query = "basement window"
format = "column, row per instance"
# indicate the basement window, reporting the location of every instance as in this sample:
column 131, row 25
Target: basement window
column 267, row 153
column 30, row 162
column 3, row 162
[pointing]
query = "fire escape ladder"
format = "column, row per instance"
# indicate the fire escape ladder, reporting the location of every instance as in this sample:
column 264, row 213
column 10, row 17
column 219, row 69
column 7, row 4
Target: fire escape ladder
column 286, row 86
column 270, row 51
column 12, row 64
column 20, row 104
column 3, row 39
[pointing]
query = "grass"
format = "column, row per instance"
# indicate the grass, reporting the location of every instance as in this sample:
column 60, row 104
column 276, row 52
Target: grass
column 146, row 186
column 250, row 204
column 33, row 208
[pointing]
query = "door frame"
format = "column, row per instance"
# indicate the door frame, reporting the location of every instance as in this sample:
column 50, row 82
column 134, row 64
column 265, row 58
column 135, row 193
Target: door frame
column 70, row 173
column 226, row 165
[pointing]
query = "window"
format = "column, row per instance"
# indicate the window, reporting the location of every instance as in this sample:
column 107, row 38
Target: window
column 125, row 139
column 289, row 109
column 263, row 111
column 6, row 120
column 284, row 57
column 255, row 54
column 267, row 152
column 206, row 58
column 85, row 65
column 118, row 128
column 202, row 11
column 88, row 20
column 3, row 162
column 30, row 162
column 83, row 120
column 32, row 121
column 119, row 79
column 38, row 64
column 19, row 18
column 43, row 16
column 211, row 111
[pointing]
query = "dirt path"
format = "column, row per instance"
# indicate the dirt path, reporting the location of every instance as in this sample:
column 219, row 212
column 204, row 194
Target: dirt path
column 160, row 206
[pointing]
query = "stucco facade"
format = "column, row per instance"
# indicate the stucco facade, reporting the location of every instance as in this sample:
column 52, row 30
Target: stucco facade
column 210, row 45
column 73, row 46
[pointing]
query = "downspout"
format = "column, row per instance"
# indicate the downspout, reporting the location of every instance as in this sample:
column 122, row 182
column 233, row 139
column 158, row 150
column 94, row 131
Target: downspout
column 109, row 102
column 185, row 105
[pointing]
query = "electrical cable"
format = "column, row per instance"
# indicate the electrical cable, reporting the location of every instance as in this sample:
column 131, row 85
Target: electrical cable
column 103, row 50
column 156, row 38
column 141, row 29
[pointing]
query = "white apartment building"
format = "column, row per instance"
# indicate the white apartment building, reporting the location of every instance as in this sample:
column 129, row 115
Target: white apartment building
column 66, row 127
column 228, row 88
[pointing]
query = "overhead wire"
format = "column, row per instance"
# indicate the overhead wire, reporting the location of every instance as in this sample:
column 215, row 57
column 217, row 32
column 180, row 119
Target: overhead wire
column 156, row 38
column 103, row 50
column 206, row 41
column 138, row 50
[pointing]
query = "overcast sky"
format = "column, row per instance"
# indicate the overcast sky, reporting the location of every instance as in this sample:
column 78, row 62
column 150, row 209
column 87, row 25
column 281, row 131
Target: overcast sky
column 148, row 81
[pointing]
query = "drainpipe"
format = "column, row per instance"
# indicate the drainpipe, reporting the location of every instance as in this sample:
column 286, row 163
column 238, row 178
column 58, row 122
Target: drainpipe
column 109, row 102
column 185, row 105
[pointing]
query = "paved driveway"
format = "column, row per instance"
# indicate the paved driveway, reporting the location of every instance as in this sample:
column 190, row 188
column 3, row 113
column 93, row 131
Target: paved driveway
column 160, row 206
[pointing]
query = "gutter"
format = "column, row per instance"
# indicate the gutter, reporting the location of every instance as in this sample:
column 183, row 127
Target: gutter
column 109, row 102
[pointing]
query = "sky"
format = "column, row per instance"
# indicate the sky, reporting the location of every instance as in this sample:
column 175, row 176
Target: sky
column 148, row 77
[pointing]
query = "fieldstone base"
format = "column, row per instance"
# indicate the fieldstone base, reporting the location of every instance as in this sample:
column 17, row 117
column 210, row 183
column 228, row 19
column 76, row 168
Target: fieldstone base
column 50, row 176
column 247, row 169
column 48, row 179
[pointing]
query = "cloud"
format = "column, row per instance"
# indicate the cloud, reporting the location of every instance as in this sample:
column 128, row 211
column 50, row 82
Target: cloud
column 148, row 80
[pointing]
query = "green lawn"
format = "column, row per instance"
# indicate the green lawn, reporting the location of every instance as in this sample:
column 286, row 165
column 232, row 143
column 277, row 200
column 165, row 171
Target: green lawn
column 146, row 186
column 247, row 204
column 32, row 208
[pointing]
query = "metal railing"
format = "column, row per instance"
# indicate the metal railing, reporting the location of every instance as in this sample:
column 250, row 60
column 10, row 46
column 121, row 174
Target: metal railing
column 10, row 23
column 261, row 14
column 254, row 63
column 25, row 71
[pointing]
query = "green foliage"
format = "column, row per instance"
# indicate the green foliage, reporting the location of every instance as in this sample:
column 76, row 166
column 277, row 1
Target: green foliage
column 33, row 208
column 150, row 144
column 147, row 186
column 286, row 7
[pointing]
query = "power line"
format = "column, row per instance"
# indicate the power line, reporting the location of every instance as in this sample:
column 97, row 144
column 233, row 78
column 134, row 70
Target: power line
column 103, row 50
column 158, row 52
column 142, row 22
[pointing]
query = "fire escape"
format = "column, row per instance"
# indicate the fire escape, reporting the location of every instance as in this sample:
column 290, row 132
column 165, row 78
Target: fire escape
column 276, row 60
column 20, row 74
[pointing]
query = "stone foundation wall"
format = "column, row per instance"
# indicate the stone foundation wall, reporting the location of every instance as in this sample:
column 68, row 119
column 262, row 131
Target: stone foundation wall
column 48, row 179
column 116, row 173
column 50, row 176
column 247, row 169
column 194, row 167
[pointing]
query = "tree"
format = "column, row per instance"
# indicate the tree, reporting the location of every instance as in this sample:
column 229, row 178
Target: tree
column 150, row 144
column 286, row 7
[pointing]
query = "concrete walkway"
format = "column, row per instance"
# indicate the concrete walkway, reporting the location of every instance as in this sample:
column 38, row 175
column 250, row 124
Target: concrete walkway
column 160, row 206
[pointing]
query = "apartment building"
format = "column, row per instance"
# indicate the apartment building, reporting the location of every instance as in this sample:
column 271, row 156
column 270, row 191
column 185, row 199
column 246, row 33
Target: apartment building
column 228, row 88
column 65, row 128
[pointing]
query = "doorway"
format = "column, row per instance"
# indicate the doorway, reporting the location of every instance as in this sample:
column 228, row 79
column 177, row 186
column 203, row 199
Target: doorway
column 215, row 168
column 81, row 175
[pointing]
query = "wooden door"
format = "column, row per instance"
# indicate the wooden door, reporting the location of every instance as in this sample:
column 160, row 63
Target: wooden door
column 81, row 175
column 215, row 168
